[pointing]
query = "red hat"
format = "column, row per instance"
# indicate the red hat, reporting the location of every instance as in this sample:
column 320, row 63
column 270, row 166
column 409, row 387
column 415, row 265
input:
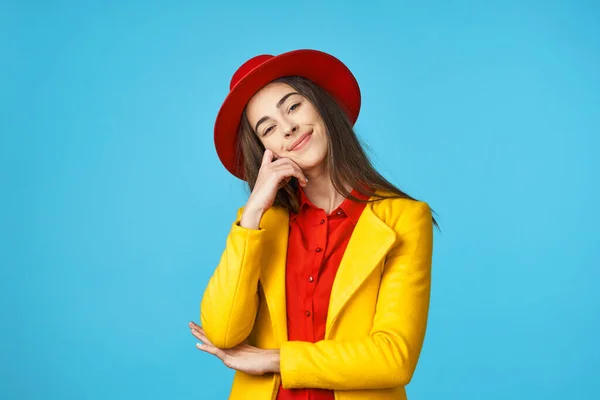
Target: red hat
column 321, row 68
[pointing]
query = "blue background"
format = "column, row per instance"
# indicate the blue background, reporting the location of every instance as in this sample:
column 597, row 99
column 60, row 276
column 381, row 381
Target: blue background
column 115, row 207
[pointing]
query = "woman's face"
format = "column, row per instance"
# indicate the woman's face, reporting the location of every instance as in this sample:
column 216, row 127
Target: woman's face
column 289, row 125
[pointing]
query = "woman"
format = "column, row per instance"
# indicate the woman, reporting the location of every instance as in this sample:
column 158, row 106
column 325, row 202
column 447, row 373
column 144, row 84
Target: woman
column 323, row 288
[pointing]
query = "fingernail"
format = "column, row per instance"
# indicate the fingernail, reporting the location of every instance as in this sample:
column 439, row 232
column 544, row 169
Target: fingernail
column 306, row 180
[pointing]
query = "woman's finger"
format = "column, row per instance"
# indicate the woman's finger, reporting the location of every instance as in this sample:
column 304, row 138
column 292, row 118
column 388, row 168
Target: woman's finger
column 197, row 328
column 196, row 334
column 284, row 182
column 284, row 161
column 206, row 348
column 300, row 174
column 289, row 170
column 215, row 351
column 267, row 157
column 206, row 345
column 201, row 336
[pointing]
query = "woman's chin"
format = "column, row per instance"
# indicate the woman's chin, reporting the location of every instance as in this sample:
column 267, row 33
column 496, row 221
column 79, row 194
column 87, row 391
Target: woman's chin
column 309, row 165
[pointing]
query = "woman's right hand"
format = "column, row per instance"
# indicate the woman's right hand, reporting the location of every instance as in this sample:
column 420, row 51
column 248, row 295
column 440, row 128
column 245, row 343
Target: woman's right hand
column 272, row 176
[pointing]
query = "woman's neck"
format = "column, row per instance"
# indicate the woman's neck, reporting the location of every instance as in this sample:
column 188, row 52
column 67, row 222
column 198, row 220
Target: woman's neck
column 322, row 194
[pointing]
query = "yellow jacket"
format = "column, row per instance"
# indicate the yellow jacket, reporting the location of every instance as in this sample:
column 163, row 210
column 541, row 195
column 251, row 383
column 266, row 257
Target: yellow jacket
column 377, row 313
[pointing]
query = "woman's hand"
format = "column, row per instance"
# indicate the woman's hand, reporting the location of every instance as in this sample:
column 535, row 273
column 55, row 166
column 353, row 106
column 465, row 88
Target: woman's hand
column 272, row 176
column 243, row 357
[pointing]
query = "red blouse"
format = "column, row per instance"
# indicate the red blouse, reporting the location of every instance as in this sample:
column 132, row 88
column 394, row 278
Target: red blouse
column 316, row 244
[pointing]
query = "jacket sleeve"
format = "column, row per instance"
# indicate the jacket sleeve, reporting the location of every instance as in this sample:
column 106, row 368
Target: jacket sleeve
column 388, row 356
column 230, row 302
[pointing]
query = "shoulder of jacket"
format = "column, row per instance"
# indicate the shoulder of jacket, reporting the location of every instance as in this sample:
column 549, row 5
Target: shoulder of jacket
column 397, row 212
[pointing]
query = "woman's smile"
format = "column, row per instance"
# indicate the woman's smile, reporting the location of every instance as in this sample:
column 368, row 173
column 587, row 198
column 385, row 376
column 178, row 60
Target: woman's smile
column 301, row 142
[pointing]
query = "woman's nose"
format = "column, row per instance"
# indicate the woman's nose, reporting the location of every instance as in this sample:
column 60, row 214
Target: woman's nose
column 292, row 128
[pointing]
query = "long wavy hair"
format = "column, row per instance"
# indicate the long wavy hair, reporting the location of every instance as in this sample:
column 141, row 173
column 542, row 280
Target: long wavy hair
column 347, row 162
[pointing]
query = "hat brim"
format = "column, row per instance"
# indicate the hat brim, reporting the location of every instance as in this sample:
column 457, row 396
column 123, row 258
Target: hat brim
column 322, row 68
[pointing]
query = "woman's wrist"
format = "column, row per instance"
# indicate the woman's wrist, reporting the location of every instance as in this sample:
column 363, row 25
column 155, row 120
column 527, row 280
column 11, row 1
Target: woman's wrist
column 275, row 360
column 251, row 218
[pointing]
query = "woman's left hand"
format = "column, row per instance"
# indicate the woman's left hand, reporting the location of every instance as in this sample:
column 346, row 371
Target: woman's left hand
column 243, row 357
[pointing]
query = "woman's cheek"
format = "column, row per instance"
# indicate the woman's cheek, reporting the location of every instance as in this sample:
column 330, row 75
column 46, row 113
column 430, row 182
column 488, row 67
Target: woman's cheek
column 270, row 146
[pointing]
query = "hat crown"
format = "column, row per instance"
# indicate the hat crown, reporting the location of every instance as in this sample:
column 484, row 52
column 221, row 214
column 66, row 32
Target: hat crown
column 246, row 67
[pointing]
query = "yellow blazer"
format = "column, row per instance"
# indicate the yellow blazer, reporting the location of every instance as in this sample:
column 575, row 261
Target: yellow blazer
column 377, row 313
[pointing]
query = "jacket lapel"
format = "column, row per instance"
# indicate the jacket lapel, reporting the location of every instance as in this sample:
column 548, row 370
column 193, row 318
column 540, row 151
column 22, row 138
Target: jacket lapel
column 272, row 275
column 370, row 241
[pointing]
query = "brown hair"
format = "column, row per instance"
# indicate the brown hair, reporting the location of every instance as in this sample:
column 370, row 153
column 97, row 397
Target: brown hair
column 347, row 162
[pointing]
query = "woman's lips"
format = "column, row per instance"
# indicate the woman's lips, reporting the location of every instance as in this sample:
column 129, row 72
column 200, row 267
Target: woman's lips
column 301, row 142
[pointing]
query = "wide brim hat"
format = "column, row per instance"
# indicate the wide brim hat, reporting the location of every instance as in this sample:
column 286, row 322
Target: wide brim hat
column 323, row 69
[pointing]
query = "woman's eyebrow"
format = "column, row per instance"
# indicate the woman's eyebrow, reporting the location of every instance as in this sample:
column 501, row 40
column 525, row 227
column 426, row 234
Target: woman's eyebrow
column 284, row 98
column 279, row 103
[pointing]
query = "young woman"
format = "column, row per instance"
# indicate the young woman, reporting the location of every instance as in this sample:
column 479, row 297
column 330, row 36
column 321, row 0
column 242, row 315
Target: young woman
column 322, row 291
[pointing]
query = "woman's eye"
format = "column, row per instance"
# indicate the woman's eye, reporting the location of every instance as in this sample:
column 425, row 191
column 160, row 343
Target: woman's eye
column 294, row 106
column 267, row 130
